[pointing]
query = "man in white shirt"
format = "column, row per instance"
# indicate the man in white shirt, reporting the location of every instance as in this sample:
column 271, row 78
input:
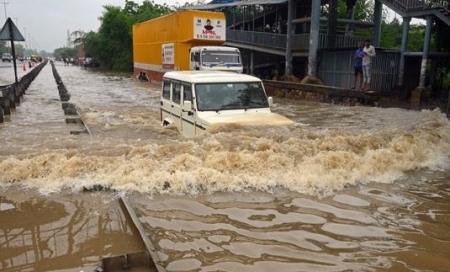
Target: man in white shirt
column 369, row 53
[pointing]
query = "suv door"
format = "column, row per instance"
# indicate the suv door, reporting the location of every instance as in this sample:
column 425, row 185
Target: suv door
column 166, row 104
column 176, row 107
column 188, row 124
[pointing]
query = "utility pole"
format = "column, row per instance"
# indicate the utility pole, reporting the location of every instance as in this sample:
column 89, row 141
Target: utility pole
column 4, row 5
column 25, row 31
column 29, row 41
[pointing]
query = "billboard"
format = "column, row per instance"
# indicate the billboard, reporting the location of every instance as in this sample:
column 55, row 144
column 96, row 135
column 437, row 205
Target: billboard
column 209, row 29
column 168, row 55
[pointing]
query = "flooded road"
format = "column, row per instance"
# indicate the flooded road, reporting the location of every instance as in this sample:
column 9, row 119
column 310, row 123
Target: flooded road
column 346, row 189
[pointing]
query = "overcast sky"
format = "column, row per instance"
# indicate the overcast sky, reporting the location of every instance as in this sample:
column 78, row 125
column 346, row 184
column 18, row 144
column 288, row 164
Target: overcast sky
column 45, row 23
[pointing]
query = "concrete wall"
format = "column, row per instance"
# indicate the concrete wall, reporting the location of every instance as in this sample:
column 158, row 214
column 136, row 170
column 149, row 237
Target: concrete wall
column 319, row 93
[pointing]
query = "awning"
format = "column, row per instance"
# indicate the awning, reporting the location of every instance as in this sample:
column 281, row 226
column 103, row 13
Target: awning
column 238, row 3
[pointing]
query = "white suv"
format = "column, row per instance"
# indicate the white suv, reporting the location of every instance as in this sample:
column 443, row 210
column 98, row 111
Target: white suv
column 6, row 57
column 194, row 101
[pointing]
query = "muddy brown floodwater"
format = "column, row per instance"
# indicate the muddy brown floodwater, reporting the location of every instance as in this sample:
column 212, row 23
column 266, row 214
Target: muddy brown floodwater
column 346, row 189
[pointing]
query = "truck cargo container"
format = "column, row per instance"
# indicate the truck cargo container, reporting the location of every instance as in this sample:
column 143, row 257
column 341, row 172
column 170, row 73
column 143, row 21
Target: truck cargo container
column 164, row 44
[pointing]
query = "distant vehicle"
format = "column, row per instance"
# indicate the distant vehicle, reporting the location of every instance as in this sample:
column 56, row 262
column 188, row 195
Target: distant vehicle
column 194, row 101
column 6, row 57
column 91, row 63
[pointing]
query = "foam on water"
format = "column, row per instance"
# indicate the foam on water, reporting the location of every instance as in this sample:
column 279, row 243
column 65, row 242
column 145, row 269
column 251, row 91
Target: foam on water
column 314, row 162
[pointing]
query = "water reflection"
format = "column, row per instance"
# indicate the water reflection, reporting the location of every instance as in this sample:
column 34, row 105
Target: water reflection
column 60, row 232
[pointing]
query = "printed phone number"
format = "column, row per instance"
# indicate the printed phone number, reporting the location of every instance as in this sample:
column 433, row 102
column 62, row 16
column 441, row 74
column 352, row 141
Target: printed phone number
column 210, row 37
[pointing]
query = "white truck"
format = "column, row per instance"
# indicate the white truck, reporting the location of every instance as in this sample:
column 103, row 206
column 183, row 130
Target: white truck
column 195, row 101
column 220, row 58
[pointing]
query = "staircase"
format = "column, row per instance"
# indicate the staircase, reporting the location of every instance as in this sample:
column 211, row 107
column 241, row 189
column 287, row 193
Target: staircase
column 420, row 8
column 443, row 13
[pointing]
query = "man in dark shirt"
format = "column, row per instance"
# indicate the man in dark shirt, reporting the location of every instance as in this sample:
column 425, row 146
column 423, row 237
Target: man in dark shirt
column 359, row 54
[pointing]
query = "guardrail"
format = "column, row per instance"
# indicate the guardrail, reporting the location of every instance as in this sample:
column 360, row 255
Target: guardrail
column 11, row 94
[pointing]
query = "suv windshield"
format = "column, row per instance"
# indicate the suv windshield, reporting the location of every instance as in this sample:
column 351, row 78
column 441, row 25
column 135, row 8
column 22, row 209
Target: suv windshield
column 231, row 96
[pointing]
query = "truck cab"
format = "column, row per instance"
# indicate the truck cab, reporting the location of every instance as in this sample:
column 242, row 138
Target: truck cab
column 195, row 101
column 221, row 58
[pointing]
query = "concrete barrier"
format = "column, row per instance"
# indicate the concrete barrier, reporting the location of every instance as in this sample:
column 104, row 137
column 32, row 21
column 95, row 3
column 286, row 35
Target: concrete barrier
column 320, row 93
column 68, row 107
column 11, row 94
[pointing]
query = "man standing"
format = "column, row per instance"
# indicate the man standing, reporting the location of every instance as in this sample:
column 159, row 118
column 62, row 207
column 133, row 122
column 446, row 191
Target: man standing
column 359, row 54
column 369, row 53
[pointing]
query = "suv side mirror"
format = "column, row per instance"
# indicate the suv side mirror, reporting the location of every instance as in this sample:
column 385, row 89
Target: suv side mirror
column 196, row 56
column 187, row 105
column 270, row 100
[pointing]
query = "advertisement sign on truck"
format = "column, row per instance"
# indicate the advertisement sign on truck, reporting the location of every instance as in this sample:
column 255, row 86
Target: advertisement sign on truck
column 207, row 29
column 168, row 56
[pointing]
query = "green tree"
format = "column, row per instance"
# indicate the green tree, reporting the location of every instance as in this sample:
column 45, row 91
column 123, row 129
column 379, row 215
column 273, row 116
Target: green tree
column 359, row 10
column 115, row 39
column 362, row 10
column 92, row 45
column 18, row 49
column 112, row 45
column 65, row 52
column 392, row 34
column 146, row 11
column 3, row 47
column 416, row 38
column 77, row 36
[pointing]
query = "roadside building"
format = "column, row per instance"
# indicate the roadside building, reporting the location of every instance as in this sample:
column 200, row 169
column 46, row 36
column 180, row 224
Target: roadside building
column 293, row 37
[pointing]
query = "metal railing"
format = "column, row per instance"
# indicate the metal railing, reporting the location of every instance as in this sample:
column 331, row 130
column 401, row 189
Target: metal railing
column 414, row 5
column 338, row 70
column 278, row 41
column 267, row 39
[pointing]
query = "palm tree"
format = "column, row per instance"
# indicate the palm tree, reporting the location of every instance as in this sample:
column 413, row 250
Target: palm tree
column 77, row 37
column 77, row 40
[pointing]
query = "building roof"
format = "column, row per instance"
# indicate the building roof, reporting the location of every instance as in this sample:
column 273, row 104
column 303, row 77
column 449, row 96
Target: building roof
column 215, row 4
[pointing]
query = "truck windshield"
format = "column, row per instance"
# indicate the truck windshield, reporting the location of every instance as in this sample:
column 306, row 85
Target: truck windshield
column 230, row 96
column 213, row 58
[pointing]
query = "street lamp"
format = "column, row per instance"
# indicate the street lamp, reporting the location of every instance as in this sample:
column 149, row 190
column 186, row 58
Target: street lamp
column 26, row 38
column 4, row 5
